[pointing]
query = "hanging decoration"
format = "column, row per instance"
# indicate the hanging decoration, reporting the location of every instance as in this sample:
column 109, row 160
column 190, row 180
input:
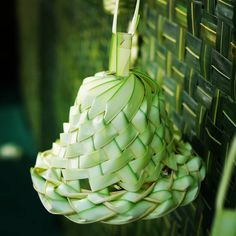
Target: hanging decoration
column 119, row 159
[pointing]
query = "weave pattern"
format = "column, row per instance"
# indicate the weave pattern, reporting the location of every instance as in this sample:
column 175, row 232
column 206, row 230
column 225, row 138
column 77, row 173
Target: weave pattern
column 118, row 159
column 189, row 47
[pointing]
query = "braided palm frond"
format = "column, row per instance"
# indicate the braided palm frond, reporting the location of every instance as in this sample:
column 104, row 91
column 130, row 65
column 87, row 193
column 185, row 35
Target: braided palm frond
column 117, row 160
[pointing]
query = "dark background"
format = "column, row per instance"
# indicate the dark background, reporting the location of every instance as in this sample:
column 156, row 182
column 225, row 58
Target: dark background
column 21, row 212
column 9, row 60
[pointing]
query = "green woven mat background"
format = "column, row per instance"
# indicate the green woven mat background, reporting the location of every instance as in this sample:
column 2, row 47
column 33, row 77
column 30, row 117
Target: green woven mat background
column 187, row 46
column 190, row 48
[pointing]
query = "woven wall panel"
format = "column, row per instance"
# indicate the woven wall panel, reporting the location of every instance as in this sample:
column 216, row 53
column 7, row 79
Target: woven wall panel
column 189, row 47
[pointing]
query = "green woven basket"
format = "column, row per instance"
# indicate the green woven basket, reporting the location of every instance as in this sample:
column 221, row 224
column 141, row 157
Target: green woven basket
column 119, row 159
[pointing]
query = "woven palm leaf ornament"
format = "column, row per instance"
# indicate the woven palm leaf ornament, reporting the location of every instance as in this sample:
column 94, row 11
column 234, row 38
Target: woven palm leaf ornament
column 118, row 159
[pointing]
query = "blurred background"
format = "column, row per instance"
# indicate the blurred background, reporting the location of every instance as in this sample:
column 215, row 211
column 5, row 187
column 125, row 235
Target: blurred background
column 47, row 48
